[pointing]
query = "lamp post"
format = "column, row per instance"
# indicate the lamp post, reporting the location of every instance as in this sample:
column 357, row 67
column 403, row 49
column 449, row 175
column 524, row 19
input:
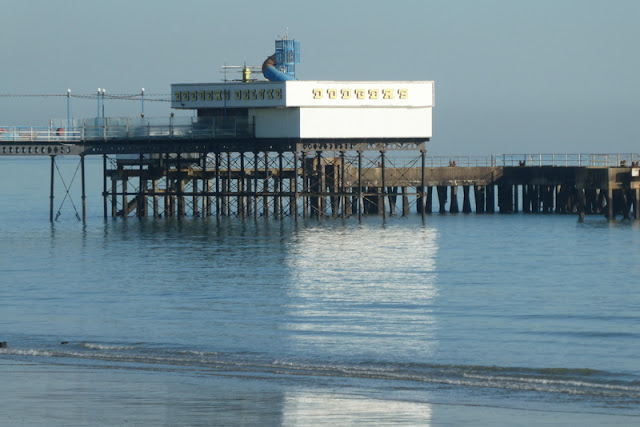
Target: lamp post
column 142, row 102
column 98, row 98
column 68, row 110
column 104, row 123
column 99, row 116
column 103, row 93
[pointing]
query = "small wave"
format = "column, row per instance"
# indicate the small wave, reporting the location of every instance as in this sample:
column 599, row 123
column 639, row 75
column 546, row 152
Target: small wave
column 106, row 347
column 567, row 381
column 27, row 352
column 554, row 385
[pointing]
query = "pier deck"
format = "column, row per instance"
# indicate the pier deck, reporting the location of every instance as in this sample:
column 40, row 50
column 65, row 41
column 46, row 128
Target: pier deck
column 195, row 169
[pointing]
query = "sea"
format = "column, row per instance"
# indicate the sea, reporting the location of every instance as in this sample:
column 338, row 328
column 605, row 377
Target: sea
column 457, row 319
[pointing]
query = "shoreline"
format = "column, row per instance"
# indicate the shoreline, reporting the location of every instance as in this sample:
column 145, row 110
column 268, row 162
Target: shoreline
column 44, row 393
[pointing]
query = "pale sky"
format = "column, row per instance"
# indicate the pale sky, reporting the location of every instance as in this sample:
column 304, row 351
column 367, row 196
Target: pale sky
column 539, row 76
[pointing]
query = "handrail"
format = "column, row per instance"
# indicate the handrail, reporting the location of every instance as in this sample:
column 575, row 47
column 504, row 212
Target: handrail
column 108, row 129
column 538, row 160
column 113, row 129
column 406, row 159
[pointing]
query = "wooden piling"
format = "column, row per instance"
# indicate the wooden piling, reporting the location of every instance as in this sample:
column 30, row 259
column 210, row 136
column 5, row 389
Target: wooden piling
column 406, row 210
column 479, row 195
column 442, row 198
column 453, row 205
column 490, row 198
column 466, row 201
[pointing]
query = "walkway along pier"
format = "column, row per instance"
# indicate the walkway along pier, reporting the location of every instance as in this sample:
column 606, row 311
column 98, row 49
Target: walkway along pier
column 188, row 169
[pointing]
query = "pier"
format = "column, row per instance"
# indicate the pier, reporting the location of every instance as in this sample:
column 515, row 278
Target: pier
column 195, row 167
column 342, row 184
column 283, row 147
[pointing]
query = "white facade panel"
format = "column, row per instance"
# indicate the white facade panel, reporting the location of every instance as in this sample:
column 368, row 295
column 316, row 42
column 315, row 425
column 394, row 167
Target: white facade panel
column 320, row 109
column 276, row 122
column 382, row 94
column 365, row 123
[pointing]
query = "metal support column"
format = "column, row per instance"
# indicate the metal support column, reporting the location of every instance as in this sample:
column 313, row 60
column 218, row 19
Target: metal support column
column 205, row 188
column 255, row 184
column 179, row 185
column 194, row 197
column 104, row 185
column 53, row 166
column 84, row 194
column 167, row 197
column 241, row 199
column 156, row 207
column 383, row 188
column 304, row 185
column 265, row 186
column 125, row 199
column 423, row 198
column 114, row 195
column 142, row 202
column 343, row 188
column 320, row 204
column 217, row 157
column 280, row 208
column 228, row 187
column 360, row 195
column 294, row 211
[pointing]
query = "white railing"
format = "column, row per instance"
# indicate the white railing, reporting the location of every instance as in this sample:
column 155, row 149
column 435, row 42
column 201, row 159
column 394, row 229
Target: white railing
column 29, row 133
column 108, row 128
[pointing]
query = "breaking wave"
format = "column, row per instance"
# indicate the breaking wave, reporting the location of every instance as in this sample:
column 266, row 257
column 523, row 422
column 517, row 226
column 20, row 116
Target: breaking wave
column 611, row 386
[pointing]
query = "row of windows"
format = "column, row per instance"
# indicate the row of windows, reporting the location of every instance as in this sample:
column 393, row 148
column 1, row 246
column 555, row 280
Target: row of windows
column 259, row 94
column 220, row 95
column 361, row 93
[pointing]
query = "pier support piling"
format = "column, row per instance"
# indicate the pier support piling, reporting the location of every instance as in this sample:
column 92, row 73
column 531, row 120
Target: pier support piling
column 51, row 194
column 360, row 195
column 84, row 193
column 326, row 184
column 105, row 193
column 453, row 206
column 466, row 201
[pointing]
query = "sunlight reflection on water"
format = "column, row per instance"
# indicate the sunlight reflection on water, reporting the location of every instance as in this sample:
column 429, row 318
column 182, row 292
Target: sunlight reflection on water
column 350, row 290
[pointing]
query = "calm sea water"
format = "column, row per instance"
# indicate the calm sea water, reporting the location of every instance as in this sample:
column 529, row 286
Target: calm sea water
column 462, row 319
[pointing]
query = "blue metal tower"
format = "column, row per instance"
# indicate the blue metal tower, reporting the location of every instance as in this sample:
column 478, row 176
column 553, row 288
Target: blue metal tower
column 287, row 56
